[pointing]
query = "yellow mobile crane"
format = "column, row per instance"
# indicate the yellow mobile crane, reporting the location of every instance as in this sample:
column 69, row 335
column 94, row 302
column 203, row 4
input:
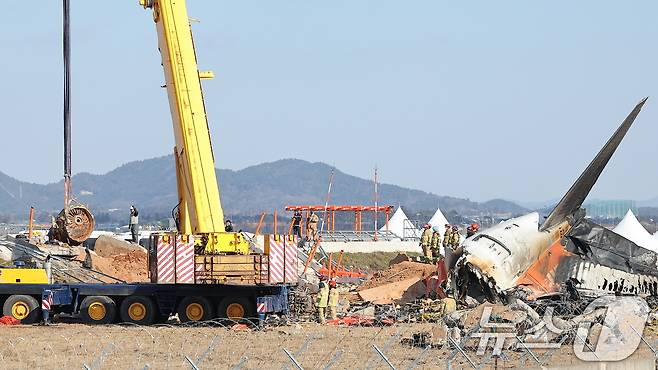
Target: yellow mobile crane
column 199, row 209
column 199, row 272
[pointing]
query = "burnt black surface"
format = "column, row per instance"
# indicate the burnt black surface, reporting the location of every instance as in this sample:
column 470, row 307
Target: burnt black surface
column 604, row 247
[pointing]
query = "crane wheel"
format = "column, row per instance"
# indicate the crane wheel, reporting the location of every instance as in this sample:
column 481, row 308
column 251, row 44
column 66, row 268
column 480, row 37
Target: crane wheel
column 236, row 308
column 138, row 310
column 195, row 309
column 24, row 308
column 98, row 309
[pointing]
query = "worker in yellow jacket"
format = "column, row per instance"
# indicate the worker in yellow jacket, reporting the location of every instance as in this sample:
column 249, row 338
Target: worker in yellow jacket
column 322, row 299
column 332, row 303
column 447, row 248
column 426, row 241
column 447, row 236
column 455, row 238
column 436, row 243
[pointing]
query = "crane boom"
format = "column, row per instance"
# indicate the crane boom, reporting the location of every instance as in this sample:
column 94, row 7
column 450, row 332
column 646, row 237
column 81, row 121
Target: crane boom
column 200, row 209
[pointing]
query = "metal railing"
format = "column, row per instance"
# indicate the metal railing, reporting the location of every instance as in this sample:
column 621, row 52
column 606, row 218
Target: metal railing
column 357, row 236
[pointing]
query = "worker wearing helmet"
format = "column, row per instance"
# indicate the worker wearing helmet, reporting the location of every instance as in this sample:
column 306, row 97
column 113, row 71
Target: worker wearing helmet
column 448, row 251
column 436, row 243
column 322, row 299
column 455, row 237
column 471, row 230
column 451, row 246
column 332, row 302
column 426, row 241
column 447, row 237
column 296, row 224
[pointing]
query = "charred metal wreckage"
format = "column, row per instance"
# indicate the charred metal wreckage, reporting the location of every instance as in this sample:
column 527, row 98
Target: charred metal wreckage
column 519, row 254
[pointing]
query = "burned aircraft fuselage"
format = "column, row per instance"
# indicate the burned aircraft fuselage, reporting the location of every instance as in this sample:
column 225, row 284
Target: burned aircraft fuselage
column 597, row 260
column 490, row 262
column 493, row 259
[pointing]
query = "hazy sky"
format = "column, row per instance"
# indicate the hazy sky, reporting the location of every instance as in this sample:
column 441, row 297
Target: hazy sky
column 488, row 99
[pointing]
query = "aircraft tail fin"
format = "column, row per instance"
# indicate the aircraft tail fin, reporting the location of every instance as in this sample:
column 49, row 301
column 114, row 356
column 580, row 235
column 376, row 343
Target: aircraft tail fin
column 576, row 195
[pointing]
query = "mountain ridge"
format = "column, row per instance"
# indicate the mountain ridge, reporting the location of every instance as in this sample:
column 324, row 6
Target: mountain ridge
column 151, row 185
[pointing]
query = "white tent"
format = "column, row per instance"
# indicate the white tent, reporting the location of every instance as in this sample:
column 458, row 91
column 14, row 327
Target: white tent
column 630, row 228
column 400, row 225
column 655, row 235
column 438, row 221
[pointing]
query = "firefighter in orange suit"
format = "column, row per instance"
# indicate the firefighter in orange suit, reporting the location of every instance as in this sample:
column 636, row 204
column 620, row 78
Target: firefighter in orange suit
column 322, row 299
column 332, row 303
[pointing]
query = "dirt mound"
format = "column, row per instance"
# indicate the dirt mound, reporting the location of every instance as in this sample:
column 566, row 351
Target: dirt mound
column 400, row 271
column 107, row 246
column 131, row 267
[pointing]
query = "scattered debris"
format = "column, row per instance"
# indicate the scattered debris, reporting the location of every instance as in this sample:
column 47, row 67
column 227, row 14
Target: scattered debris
column 360, row 321
column 240, row 327
column 435, row 337
column 9, row 320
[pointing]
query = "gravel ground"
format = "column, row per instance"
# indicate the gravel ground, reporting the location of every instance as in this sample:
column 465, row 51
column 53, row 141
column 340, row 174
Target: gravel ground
column 165, row 347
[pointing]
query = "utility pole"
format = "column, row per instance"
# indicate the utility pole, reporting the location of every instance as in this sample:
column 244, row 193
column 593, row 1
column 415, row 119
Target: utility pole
column 376, row 208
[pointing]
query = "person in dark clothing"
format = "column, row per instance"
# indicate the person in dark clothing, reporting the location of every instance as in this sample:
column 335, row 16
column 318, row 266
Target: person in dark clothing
column 228, row 226
column 296, row 224
column 134, row 224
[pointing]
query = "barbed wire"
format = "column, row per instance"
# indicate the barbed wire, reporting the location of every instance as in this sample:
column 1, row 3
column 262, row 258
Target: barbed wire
column 279, row 343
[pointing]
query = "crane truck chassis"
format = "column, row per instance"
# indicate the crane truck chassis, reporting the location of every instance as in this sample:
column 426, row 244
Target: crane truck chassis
column 27, row 295
column 140, row 303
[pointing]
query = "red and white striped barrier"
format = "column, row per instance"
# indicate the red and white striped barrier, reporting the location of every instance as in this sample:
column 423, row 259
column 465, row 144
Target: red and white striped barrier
column 166, row 260
column 175, row 259
column 185, row 260
column 283, row 259
column 46, row 303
